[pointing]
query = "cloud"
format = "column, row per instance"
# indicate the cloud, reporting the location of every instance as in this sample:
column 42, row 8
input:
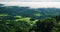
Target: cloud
column 32, row 0
column 33, row 4
column 40, row 0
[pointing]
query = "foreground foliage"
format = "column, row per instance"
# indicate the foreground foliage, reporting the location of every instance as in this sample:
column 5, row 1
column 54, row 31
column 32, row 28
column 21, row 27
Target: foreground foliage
column 25, row 24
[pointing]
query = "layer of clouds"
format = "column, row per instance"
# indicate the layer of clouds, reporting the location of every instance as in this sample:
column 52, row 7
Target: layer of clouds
column 33, row 4
column 31, row 0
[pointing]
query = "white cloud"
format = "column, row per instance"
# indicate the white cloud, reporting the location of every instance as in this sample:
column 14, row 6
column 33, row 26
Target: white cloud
column 33, row 4
column 33, row 0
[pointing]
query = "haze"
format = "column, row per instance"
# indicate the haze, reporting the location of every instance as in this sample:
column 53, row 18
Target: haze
column 33, row 4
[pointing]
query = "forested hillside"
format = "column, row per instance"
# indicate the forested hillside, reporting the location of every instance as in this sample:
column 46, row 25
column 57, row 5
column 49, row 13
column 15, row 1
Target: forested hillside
column 26, row 19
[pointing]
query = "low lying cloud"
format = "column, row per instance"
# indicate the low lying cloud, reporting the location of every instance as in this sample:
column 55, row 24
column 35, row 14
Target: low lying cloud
column 33, row 4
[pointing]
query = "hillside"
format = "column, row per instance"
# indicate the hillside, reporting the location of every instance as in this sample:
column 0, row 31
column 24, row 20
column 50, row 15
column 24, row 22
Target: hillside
column 37, row 13
column 26, row 19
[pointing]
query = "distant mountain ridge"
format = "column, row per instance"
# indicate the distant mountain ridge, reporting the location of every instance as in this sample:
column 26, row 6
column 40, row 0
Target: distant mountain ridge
column 29, row 12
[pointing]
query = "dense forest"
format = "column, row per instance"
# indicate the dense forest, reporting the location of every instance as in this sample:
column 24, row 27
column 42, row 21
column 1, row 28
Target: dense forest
column 26, row 19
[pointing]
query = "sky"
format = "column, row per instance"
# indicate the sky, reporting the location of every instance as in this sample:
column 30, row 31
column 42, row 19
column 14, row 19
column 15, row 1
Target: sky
column 33, row 0
column 32, row 3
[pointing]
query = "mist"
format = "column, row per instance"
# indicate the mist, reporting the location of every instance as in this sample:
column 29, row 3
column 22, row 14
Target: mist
column 33, row 4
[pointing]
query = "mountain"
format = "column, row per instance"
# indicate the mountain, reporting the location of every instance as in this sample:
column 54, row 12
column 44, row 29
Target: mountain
column 37, row 13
